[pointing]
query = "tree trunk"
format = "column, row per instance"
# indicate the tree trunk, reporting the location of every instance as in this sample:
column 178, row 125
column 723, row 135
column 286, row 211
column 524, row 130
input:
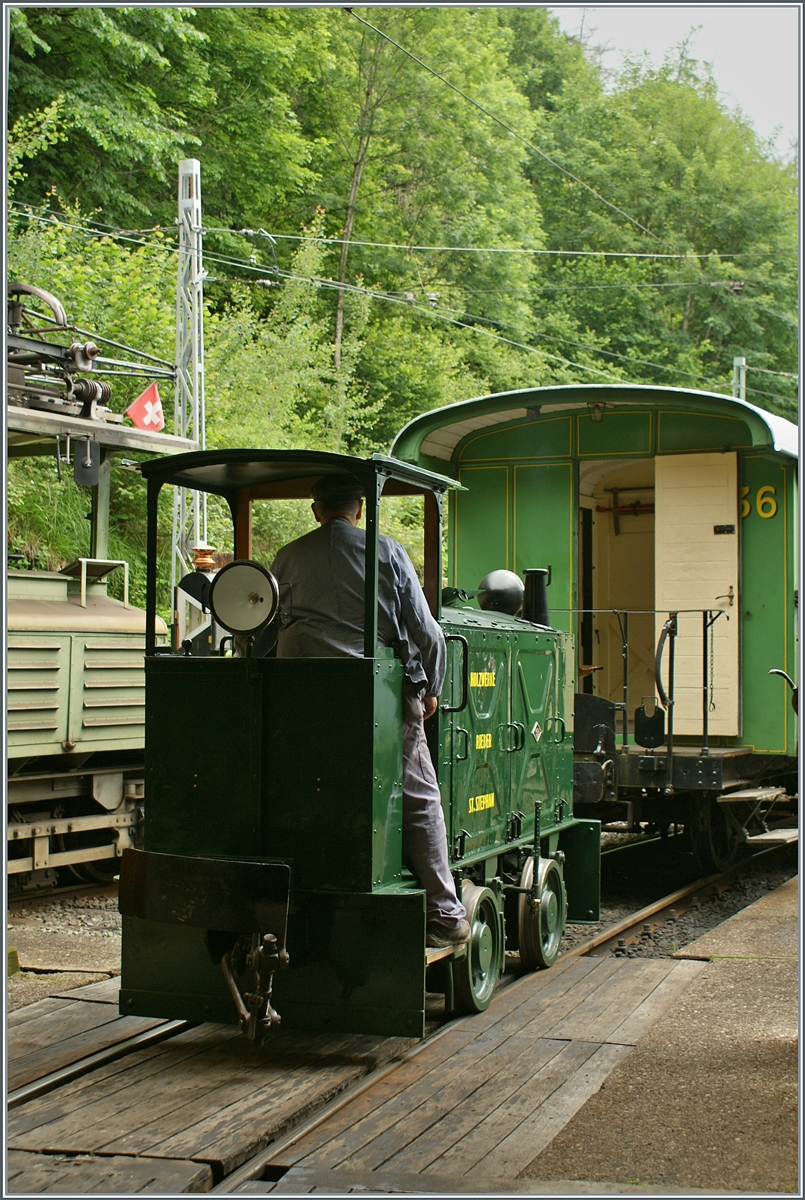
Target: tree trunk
column 349, row 222
column 365, row 123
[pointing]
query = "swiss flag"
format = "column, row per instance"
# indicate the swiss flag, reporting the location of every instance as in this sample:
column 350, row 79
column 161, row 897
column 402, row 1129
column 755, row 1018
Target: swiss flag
column 146, row 411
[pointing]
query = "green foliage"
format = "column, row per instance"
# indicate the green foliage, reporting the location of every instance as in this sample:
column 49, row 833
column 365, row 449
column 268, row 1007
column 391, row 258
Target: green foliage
column 294, row 111
column 145, row 87
column 270, row 381
column 662, row 147
column 32, row 133
column 119, row 71
column 255, row 155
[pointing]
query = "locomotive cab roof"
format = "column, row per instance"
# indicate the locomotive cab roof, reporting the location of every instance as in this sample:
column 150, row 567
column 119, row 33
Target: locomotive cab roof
column 288, row 474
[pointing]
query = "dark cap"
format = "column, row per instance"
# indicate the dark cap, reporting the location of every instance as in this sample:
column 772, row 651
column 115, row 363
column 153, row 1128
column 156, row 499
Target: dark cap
column 333, row 490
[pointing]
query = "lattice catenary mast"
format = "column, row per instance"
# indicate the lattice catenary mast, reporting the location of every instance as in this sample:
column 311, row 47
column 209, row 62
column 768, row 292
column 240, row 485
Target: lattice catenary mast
column 189, row 507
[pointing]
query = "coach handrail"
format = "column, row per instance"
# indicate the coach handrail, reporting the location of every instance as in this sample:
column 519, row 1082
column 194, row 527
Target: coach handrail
column 668, row 630
column 709, row 617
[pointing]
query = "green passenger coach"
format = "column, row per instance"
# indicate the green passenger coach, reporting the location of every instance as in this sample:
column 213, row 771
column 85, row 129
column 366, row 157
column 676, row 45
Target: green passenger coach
column 667, row 520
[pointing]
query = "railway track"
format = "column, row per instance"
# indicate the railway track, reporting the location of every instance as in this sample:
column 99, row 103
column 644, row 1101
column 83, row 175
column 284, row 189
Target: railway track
column 87, row 891
column 625, row 932
column 629, row 930
column 617, row 936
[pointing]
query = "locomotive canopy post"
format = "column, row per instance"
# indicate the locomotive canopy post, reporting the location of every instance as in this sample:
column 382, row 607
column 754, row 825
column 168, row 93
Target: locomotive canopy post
column 154, row 486
column 373, row 491
column 434, row 504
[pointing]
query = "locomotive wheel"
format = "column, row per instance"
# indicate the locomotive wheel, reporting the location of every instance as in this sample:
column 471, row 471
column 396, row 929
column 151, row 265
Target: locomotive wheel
column 475, row 976
column 540, row 926
column 715, row 843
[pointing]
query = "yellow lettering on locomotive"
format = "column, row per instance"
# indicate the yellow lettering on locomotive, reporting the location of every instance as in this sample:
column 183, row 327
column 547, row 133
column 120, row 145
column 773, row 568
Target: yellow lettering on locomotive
column 483, row 741
column 479, row 803
column 482, row 679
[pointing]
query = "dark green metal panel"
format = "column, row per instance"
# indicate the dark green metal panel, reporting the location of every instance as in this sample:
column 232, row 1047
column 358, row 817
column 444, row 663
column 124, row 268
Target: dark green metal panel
column 357, row 964
column 543, row 530
column 323, row 794
column 333, row 769
column 549, row 437
column 621, row 433
column 480, row 736
column 203, row 751
column 535, row 768
column 680, row 433
column 581, row 845
column 166, row 971
column 233, row 895
column 481, row 525
column 509, row 748
column 767, row 602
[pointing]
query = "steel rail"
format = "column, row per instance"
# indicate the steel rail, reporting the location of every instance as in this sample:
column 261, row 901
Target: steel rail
column 657, row 913
column 252, row 1170
column 49, row 1083
column 47, row 895
column 622, row 847
column 654, row 914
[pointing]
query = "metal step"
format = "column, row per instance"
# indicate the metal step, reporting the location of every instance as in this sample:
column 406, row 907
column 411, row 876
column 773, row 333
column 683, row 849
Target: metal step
column 774, row 837
column 750, row 794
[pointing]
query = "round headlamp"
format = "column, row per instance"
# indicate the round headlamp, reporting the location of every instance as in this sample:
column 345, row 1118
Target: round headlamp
column 244, row 597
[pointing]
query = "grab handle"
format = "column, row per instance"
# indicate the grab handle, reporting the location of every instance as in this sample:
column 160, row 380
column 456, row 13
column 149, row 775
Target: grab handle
column 465, row 673
column 668, row 630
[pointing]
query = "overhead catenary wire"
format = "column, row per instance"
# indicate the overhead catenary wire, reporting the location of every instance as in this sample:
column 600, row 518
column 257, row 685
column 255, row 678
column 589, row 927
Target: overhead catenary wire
column 473, row 325
column 133, row 234
column 669, row 369
column 128, row 235
column 766, row 371
column 251, row 266
column 300, row 237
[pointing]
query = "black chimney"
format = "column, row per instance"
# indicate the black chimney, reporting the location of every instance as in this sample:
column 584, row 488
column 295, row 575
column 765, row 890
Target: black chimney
column 535, row 602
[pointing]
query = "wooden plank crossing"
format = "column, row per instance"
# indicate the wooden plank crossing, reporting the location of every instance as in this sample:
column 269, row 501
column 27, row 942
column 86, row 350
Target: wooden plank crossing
column 168, row 1118
column 82, row 1174
column 106, row 991
column 480, row 1099
column 486, row 1096
column 60, row 1030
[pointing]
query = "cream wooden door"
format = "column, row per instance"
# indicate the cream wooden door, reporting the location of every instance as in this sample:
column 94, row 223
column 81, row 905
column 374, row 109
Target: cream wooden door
column 696, row 567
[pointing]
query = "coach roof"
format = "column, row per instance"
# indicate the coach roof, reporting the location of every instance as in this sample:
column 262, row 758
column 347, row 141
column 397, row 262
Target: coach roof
column 437, row 434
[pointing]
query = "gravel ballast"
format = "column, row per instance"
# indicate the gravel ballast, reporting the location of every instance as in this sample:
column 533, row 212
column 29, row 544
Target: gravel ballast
column 79, row 936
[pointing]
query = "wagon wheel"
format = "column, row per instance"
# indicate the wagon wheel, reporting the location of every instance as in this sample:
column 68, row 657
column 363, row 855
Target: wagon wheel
column 541, row 925
column 714, row 840
column 475, row 976
column 101, row 870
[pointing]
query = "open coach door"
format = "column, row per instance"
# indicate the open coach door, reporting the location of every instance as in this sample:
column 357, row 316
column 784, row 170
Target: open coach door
column 696, row 568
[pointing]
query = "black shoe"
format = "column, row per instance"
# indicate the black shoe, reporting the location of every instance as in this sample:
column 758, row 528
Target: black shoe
column 448, row 935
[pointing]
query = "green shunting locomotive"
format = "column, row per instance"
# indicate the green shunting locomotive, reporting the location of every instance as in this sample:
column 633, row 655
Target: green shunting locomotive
column 271, row 879
column 668, row 519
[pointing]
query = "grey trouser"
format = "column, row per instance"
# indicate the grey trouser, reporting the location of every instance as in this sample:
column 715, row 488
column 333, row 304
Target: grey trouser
column 424, row 838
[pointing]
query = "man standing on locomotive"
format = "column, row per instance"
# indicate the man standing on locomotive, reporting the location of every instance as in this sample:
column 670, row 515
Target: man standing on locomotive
column 325, row 570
